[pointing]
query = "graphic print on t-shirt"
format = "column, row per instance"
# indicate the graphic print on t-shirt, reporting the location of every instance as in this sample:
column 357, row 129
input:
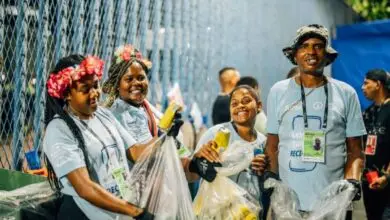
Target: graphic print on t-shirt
column 296, row 164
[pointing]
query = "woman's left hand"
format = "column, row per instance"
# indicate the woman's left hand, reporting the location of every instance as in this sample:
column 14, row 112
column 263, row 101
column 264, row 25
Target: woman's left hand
column 259, row 163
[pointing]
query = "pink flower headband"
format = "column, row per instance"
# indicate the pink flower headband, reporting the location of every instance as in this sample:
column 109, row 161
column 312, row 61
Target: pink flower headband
column 128, row 52
column 59, row 82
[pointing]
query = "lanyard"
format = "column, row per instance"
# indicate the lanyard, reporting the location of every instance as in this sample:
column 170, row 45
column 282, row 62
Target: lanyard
column 99, row 139
column 303, row 98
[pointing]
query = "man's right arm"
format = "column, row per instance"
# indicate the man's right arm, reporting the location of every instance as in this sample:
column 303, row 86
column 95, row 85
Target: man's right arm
column 272, row 152
column 271, row 146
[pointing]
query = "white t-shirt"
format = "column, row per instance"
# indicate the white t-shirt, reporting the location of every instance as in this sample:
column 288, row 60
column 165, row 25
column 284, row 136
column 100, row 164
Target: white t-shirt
column 64, row 154
column 234, row 136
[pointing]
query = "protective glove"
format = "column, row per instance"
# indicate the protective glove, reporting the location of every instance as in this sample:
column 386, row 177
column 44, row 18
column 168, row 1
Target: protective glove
column 145, row 215
column 204, row 168
column 267, row 174
column 358, row 188
column 176, row 124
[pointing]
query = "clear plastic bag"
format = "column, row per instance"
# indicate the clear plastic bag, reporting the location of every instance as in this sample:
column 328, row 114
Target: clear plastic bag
column 27, row 197
column 250, row 182
column 224, row 199
column 158, row 183
column 332, row 204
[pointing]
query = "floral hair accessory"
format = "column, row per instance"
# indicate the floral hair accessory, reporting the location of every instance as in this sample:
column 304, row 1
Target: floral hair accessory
column 59, row 82
column 128, row 52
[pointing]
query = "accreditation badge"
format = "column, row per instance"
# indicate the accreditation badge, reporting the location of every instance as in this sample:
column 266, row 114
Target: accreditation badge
column 313, row 146
column 371, row 145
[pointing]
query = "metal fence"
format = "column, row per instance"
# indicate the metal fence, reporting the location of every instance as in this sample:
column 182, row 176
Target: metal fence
column 188, row 41
column 177, row 35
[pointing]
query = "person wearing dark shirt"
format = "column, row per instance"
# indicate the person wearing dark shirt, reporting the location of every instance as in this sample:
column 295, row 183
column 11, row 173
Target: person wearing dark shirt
column 376, row 193
column 228, row 77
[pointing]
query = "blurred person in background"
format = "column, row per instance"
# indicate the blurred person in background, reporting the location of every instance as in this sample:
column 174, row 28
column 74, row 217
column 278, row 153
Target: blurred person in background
column 228, row 77
column 376, row 194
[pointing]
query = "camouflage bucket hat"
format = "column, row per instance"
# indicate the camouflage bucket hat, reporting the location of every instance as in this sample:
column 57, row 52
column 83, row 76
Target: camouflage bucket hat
column 312, row 30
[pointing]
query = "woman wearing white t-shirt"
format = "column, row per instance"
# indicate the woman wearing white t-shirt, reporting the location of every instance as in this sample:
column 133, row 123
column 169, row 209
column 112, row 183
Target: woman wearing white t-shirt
column 244, row 106
column 86, row 149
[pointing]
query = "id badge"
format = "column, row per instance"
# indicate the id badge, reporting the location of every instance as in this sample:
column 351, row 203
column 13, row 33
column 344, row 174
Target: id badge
column 313, row 146
column 371, row 145
column 183, row 152
column 120, row 176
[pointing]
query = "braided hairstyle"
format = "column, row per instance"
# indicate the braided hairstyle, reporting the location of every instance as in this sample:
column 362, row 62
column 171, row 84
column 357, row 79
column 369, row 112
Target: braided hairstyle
column 118, row 68
column 55, row 106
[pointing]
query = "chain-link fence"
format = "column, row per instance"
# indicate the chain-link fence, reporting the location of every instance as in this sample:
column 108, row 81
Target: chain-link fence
column 188, row 41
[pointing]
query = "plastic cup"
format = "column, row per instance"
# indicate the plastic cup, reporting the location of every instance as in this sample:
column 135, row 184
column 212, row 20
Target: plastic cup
column 33, row 161
column 371, row 176
column 257, row 151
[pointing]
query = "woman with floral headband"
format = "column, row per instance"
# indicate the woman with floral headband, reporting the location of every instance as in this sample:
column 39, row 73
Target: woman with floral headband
column 127, row 87
column 85, row 147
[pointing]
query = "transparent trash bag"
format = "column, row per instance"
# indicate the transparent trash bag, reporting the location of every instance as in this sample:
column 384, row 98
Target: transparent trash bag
column 27, row 197
column 158, row 183
column 224, row 199
column 332, row 203
column 250, row 182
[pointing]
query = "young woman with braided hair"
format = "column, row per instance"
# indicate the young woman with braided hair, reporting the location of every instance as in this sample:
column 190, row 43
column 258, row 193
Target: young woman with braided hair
column 127, row 87
column 85, row 147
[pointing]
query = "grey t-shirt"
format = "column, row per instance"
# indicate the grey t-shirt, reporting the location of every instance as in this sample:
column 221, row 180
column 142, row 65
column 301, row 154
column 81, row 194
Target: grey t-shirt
column 62, row 149
column 285, row 119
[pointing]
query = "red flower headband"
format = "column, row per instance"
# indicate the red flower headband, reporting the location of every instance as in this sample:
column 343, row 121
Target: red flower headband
column 59, row 82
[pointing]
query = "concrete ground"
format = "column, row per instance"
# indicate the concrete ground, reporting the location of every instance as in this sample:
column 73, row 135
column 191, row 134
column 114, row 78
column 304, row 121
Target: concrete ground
column 359, row 213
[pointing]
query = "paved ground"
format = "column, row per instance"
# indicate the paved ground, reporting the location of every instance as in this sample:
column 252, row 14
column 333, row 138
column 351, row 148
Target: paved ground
column 359, row 213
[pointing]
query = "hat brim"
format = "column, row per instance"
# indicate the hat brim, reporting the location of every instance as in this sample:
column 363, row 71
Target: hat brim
column 331, row 54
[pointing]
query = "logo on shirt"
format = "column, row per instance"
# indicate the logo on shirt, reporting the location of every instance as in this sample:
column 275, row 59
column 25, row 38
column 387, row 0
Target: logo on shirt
column 204, row 166
column 318, row 106
column 296, row 153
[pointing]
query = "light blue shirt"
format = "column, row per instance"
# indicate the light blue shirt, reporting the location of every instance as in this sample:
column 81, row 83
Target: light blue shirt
column 62, row 149
column 135, row 121
column 285, row 119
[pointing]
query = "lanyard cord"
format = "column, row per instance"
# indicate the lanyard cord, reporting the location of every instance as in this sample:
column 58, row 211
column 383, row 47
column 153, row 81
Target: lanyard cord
column 303, row 99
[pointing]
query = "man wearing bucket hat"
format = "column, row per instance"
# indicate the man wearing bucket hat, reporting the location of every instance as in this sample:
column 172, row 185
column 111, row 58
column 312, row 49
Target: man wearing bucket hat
column 312, row 106
column 376, row 184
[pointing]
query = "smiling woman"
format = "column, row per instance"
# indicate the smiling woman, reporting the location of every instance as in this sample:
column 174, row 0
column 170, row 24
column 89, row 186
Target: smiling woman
column 84, row 145
column 244, row 106
column 127, row 87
